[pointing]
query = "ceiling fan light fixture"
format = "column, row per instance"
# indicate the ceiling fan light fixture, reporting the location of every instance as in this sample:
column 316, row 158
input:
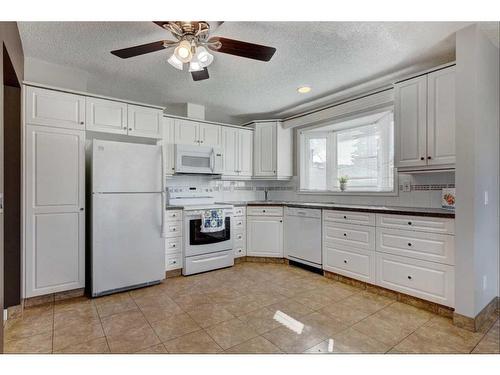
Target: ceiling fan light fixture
column 204, row 57
column 183, row 51
column 175, row 62
column 195, row 65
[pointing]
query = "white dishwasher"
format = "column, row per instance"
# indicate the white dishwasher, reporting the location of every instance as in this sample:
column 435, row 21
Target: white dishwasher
column 303, row 235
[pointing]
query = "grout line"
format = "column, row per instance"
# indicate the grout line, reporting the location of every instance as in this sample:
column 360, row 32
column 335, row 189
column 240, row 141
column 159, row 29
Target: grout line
column 102, row 327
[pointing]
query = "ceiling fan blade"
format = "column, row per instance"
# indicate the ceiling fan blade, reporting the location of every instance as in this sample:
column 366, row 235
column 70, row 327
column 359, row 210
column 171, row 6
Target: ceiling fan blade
column 200, row 75
column 243, row 49
column 125, row 53
column 160, row 23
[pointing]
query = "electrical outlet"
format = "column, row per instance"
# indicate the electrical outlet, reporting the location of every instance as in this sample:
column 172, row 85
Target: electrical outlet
column 485, row 282
column 486, row 199
column 406, row 186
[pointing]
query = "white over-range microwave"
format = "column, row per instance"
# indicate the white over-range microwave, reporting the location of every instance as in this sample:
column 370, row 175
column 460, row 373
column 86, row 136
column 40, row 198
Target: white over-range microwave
column 198, row 159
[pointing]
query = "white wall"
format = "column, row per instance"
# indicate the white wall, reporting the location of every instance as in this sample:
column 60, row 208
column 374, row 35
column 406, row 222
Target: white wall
column 477, row 171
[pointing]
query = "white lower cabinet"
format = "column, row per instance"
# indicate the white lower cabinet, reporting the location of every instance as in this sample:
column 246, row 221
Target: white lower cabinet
column 172, row 231
column 265, row 234
column 55, row 203
column 427, row 280
column 239, row 231
column 356, row 263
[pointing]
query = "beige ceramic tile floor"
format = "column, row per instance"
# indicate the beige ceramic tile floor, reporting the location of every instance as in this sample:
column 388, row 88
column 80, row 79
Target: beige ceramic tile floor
column 232, row 311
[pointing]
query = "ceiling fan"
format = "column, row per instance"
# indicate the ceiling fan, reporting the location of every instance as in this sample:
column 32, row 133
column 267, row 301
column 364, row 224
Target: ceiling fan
column 192, row 44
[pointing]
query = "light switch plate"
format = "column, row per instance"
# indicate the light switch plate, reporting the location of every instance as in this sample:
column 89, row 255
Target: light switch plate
column 486, row 198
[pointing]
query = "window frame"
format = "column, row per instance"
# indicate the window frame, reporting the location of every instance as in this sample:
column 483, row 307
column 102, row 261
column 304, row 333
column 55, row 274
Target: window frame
column 303, row 135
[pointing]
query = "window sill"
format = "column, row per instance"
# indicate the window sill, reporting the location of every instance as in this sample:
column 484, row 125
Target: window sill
column 349, row 193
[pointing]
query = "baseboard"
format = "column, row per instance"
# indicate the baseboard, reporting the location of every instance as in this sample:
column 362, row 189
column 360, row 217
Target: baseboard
column 265, row 260
column 482, row 321
column 397, row 296
column 173, row 273
column 52, row 297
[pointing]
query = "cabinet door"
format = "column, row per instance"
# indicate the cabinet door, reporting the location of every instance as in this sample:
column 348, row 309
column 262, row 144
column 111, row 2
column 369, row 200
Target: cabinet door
column 441, row 117
column 54, row 108
column 265, row 236
column 144, row 121
column 245, row 152
column 168, row 146
column 186, row 132
column 55, row 218
column 411, row 122
column 210, row 135
column 106, row 116
column 265, row 150
column 230, row 146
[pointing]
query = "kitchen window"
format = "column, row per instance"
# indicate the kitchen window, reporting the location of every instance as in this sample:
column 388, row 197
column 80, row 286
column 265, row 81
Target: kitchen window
column 360, row 149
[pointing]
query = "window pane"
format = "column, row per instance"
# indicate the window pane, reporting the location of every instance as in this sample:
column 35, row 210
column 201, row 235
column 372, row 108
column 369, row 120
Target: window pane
column 365, row 156
column 316, row 166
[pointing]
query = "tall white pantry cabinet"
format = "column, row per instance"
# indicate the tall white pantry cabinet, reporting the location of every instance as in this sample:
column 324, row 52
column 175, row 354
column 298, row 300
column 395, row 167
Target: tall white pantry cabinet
column 54, row 182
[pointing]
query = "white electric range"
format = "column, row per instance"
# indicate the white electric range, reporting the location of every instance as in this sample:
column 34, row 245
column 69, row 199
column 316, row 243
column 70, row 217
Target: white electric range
column 202, row 251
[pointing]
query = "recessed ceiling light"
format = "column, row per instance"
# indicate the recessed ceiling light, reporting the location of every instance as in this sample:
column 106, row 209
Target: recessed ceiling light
column 304, row 89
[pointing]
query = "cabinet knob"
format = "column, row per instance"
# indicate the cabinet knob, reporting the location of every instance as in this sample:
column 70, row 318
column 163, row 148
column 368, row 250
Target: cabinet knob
column 201, row 141
column 281, row 221
column 428, row 157
column 409, row 277
column 422, row 158
column 409, row 243
column 174, row 262
column 173, row 229
column 345, row 217
column 345, row 234
column 345, row 261
column 263, row 210
column 81, row 208
column 173, row 245
column 125, row 127
column 409, row 223
column 81, row 122
column 129, row 128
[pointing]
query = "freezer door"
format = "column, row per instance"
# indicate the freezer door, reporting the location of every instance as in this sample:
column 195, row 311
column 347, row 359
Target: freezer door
column 126, row 167
column 127, row 247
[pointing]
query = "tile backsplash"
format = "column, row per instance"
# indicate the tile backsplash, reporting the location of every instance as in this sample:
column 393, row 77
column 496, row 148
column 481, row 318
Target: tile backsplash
column 425, row 190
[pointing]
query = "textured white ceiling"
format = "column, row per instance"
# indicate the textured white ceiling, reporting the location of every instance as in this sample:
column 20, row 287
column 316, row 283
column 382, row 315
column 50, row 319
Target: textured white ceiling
column 329, row 56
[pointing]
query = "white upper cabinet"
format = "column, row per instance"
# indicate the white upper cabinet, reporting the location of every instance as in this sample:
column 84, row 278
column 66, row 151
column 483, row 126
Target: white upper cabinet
column 144, row 121
column 441, row 117
column 54, row 108
column 186, row 132
column 425, row 120
column 238, row 151
column 245, row 153
column 272, row 150
column 55, row 217
column 230, row 145
column 210, row 135
column 411, row 122
column 190, row 132
column 106, row 116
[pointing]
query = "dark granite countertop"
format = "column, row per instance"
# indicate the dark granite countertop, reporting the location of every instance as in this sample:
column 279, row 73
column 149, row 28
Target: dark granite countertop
column 395, row 210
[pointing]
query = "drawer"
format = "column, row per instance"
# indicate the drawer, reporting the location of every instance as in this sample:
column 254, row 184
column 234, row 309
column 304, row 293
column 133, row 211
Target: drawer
column 173, row 229
column 358, row 264
column 265, row 211
column 240, row 252
column 173, row 215
column 418, row 223
column 427, row 280
column 358, row 236
column 238, row 223
column 173, row 245
column 173, row 261
column 239, row 211
column 349, row 217
column 239, row 239
column 426, row 246
column 303, row 212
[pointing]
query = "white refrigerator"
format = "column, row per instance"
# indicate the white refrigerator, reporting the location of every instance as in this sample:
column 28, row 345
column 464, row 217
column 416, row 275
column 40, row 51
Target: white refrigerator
column 127, row 250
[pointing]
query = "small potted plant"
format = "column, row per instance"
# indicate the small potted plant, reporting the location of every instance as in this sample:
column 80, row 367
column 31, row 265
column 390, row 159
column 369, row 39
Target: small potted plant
column 343, row 182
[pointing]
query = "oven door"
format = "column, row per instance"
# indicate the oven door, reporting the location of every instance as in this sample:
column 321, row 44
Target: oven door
column 203, row 243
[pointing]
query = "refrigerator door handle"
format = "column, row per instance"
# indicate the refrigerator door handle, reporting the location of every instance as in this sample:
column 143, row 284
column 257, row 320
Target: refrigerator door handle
column 212, row 161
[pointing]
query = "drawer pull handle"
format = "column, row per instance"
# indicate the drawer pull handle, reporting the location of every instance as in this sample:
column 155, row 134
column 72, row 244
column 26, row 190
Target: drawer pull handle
column 409, row 277
column 345, row 261
column 409, row 243
column 409, row 223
